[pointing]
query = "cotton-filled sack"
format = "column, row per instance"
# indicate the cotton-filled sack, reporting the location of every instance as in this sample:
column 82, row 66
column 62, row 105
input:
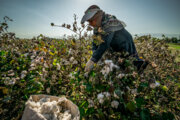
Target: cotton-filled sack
column 45, row 107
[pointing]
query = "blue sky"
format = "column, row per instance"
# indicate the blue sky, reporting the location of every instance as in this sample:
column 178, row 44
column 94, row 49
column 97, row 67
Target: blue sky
column 33, row 17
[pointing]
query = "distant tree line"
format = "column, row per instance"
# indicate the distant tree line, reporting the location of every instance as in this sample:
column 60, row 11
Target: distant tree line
column 164, row 38
column 171, row 40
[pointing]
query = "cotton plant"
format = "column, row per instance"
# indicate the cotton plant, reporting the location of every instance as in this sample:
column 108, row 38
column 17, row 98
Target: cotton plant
column 73, row 60
column 91, row 103
column 110, row 82
column 58, row 66
column 46, row 65
column 108, row 67
column 114, row 104
column 65, row 62
column 121, row 75
column 134, row 91
column 37, row 60
column 70, row 51
column 111, row 65
column 71, row 75
column 9, row 81
column 107, row 95
column 11, row 73
column 161, row 66
column 23, row 74
column 43, row 74
column 117, row 94
column 103, row 96
column 154, row 85
column 100, row 98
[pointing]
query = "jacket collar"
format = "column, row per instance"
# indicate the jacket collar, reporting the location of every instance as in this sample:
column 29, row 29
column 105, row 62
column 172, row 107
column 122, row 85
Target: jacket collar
column 103, row 18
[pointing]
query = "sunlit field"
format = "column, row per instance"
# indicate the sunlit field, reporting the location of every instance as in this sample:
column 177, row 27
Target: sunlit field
column 55, row 67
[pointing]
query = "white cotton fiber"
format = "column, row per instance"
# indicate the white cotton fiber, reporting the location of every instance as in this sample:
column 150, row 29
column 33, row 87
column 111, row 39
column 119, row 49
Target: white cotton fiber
column 50, row 110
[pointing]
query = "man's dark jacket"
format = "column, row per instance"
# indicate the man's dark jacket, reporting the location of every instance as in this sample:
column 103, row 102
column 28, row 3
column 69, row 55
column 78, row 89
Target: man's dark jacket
column 116, row 37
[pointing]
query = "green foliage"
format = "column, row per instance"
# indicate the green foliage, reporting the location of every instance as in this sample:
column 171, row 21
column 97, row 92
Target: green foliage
column 56, row 67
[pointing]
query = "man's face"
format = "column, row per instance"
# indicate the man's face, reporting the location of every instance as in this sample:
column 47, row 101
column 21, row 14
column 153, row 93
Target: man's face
column 95, row 21
column 92, row 23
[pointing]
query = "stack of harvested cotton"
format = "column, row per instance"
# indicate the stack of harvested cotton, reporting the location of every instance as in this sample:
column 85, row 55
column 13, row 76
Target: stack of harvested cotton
column 51, row 109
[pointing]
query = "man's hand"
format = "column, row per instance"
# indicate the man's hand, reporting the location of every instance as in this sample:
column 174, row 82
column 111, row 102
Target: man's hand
column 89, row 66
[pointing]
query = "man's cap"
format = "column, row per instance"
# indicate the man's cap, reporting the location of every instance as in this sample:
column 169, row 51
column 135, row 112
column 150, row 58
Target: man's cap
column 89, row 13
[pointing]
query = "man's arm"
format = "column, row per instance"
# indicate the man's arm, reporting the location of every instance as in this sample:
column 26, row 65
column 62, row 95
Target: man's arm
column 94, row 47
column 97, row 54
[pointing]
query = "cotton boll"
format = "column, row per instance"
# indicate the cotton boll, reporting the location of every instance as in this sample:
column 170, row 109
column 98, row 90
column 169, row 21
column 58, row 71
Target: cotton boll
column 108, row 61
column 107, row 94
column 100, row 96
column 32, row 57
column 75, row 62
column 116, row 67
column 48, row 90
column 32, row 68
column 118, row 93
column 71, row 59
column 65, row 62
column 11, row 74
column 127, row 87
column 26, row 54
column 44, row 70
column 38, row 60
column 10, row 71
column 23, row 74
column 71, row 76
column 116, row 96
column 12, row 81
column 58, row 66
column 9, row 81
column 110, row 83
column 70, row 51
column 91, row 103
column 112, row 66
column 121, row 75
column 53, row 77
column 105, row 70
column 152, row 85
column 114, row 104
column 101, row 101
column 109, row 66
column 46, row 65
column 134, row 91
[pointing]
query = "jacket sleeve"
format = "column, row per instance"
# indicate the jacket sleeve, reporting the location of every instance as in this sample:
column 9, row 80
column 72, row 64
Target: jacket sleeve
column 94, row 47
column 97, row 54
